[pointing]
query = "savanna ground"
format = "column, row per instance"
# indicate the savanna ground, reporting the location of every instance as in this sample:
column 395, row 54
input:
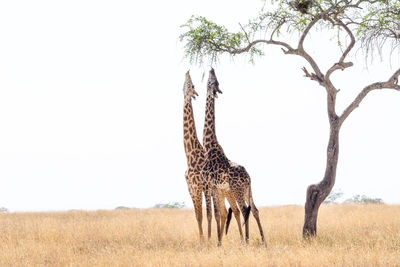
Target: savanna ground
column 349, row 235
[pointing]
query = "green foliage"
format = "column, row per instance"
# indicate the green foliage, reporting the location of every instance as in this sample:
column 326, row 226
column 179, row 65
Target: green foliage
column 358, row 199
column 171, row 205
column 204, row 38
column 371, row 22
column 333, row 196
column 378, row 23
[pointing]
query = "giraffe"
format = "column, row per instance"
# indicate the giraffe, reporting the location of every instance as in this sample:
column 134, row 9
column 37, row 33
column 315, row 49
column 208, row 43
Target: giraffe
column 195, row 156
column 222, row 177
column 194, row 152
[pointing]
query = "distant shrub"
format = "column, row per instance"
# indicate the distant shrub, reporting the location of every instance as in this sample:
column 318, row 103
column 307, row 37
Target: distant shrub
column 3, row 210
column 171, row 205
column 333, row 196
column 358, row 199
column 122, row 208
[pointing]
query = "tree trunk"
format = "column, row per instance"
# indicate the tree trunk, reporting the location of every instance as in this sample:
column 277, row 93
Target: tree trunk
column 316, row 193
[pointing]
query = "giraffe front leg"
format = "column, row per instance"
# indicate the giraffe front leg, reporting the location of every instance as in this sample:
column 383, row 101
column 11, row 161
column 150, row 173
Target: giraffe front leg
column 223, row 212
column 217, row 214
column 197, row 203
column 207, row 195
column 195, row 192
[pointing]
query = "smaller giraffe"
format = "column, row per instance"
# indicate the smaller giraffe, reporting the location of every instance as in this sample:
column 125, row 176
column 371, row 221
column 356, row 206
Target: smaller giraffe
column 194, row 152
column 221, row 176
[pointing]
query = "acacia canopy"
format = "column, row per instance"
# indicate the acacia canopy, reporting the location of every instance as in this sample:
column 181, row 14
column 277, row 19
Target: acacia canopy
column 370, row 22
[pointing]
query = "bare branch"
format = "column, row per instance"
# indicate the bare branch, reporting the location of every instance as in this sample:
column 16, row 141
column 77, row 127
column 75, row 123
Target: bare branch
column 307, row 30
column 312, row 76
column 341, row 64
column 352, row 42
column 245, row 33
column 277, row 29
column 247, row 48
column 305, row 55
column 389, row 84
column 290, row 50
column 395, row 77
column 314, row 65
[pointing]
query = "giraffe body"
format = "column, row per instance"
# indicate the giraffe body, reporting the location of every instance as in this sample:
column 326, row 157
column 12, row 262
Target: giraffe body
column 194, row 153
column 222, row 177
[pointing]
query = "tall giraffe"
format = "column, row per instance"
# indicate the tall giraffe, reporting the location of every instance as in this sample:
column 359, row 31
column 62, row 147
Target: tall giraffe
column 195, row 156
column 194, row 152
column 222, row 177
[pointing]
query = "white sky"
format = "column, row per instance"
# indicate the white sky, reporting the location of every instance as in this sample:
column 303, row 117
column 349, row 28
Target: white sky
column 91, row 109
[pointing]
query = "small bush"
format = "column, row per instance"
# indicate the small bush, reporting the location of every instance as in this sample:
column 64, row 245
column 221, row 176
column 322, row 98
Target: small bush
column 333, row 196
column 122, row 208
column 3, row 210
column 358, row 199
column 171, row 205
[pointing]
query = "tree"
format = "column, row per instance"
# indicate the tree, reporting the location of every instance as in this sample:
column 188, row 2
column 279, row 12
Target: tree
column 369, row 24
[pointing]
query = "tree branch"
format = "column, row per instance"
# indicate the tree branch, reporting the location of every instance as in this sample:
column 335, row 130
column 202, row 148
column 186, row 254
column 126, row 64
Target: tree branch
column 311, row 61
column 290, row 50
column 389, row 84
column 318, row 76
column 341, row 65
column 312, row 76
column 307, row 30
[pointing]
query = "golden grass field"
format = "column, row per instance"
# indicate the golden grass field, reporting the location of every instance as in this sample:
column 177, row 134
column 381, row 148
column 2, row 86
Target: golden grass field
column 348, row 235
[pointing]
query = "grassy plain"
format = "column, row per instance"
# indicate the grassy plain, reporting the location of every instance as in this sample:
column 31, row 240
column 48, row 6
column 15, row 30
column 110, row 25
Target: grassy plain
column 349, row 235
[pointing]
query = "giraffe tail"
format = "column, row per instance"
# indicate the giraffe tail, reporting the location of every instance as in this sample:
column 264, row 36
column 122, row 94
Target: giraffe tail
column 246, row 215
column 228, row 220
column 250, row 199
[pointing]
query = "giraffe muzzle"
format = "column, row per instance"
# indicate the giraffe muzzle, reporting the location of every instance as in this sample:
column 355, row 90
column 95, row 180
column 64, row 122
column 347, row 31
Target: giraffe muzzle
column 195, row 94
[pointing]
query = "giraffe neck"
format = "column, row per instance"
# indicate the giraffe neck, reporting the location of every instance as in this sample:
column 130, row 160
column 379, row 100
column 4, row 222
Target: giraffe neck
column 189, row 129
column 209, row 136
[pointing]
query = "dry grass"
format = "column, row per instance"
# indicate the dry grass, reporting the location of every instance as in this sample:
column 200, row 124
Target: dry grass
column 348, row 236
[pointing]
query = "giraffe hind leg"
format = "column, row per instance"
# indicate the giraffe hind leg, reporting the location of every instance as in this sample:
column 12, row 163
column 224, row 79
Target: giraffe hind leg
column 236, row 212
column 255, row 212
column 244, row 209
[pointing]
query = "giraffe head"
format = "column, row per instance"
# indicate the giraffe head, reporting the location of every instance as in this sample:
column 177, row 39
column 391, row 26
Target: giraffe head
column 213, row 85
column 188, row 88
